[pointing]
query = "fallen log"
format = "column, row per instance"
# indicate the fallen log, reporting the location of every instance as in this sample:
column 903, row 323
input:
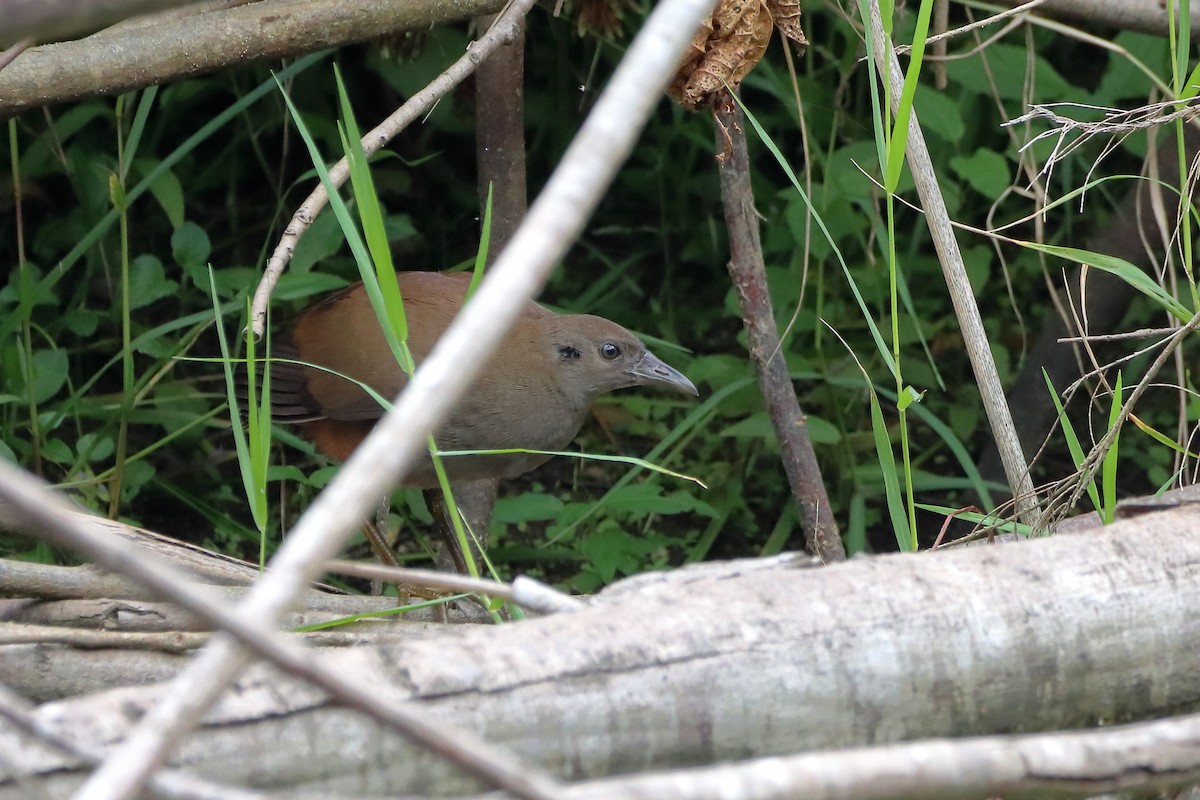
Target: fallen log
column 745, row 661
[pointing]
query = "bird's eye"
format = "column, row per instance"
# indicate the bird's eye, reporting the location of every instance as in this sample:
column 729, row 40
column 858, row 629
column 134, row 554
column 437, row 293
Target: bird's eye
column 610, row 350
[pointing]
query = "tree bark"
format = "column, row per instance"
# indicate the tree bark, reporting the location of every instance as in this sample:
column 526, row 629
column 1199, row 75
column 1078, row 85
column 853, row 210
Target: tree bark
column 727, row 663
column 749, row 276
column 1147, row 16
column 162, row 49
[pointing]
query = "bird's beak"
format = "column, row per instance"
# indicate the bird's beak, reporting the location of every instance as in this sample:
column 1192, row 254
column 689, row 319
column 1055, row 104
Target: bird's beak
column 650, row 369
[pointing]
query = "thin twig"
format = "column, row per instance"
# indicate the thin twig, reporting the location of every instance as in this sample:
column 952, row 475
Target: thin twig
column 1073, row 488
column 448, row 581
column 82, row 638
column 748, row 273
column 1140, row 333
column 8, row 55
column 982, row 23
column 1116, row 122
column 165, row 47
column 504, row 30
column 1134, row 15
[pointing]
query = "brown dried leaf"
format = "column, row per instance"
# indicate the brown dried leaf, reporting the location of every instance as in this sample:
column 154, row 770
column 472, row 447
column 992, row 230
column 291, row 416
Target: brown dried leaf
column 601, row 18
column 729, row 13
column 688, row 64
column 786, row 14
column 724, row 51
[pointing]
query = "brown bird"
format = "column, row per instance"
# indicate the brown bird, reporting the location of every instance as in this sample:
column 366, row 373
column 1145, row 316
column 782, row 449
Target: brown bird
column 534, row 394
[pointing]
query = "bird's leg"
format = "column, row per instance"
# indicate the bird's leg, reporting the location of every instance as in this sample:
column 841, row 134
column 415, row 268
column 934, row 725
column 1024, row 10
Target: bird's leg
column 376, row 536
column 475, row 501
column 450, row 555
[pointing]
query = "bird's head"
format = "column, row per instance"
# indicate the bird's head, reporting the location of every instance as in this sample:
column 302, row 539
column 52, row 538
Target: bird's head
column 593, row 356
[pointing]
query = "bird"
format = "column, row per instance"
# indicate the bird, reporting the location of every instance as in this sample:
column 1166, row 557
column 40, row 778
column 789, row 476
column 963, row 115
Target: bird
column 534, row 394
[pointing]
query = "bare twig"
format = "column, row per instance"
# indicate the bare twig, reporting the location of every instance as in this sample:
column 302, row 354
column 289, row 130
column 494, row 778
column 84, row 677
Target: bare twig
column 531, row 590
column 15, row 50
column 748, row 273
column 1134, row 15
column 53, row 20
column 940, row 38
column 505, row 29
column 160, row 641
column 1068, row 492
column 1072, row 133
column 28, row 579
column 1140, row 333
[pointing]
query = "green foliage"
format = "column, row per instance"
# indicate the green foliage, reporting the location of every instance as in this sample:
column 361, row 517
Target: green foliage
column 125, row 203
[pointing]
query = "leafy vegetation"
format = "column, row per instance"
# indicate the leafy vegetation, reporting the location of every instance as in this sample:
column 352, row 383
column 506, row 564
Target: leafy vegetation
column 114, row 209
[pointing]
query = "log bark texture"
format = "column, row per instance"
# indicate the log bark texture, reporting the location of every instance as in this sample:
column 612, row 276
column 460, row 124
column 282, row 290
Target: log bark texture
column 160, row 50
column 1058, row 633
column 1148, row 16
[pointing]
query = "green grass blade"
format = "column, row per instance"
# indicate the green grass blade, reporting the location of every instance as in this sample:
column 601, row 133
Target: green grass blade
column 1162, row 438
column 905, row 535
column 957, row 448
column 631, row 460
column 898, row 144
column 240, row 443
column 880, row 344
column 1109, row 468
column 382, row 613
column 371, row 216
column 988, row 520
column 485, row 243
column 350, row 230
column 1077, row 456
column 129, row 152
column 696, row 417
column 1135, row 277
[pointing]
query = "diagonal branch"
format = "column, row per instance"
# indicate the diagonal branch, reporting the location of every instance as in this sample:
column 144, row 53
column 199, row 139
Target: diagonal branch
column 749, row 276
column 55, row 20
column 555, row 220
column 1134, row 15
